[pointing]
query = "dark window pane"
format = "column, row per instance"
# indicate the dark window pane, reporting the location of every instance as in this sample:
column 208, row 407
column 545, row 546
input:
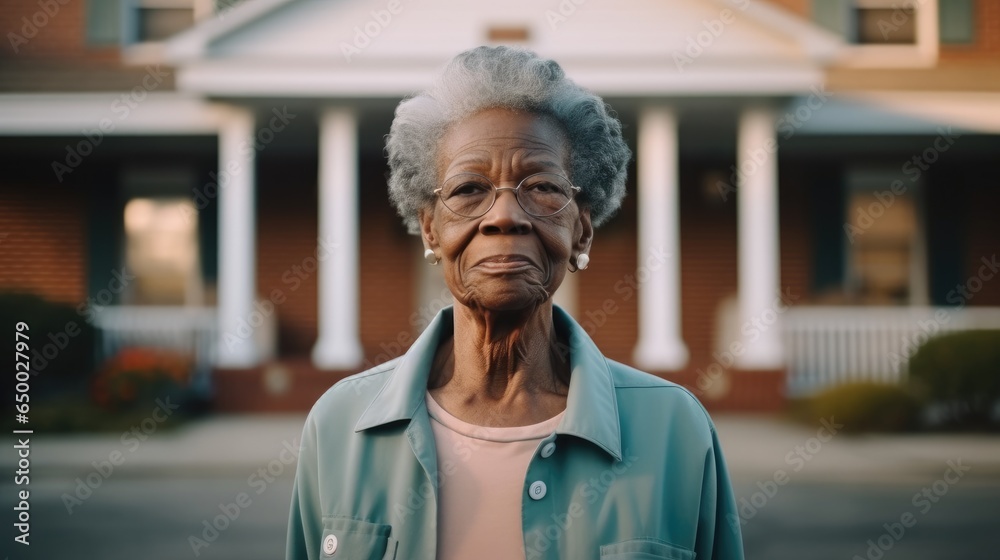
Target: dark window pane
column 833, row 15
column 886, row 26
column 103, row 22
column 956, row 20
column 157, row 24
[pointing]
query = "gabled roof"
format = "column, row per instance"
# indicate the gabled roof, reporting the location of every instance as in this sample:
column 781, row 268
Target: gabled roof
column 336, row 48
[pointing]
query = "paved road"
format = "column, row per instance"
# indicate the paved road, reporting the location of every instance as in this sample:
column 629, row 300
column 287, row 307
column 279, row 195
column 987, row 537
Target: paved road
column 132, row 518
column 144, row 518
column 824, row 521
column 842, row 497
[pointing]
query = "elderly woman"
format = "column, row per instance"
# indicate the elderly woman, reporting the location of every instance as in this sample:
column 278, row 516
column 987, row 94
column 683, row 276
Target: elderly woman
column 503, row 432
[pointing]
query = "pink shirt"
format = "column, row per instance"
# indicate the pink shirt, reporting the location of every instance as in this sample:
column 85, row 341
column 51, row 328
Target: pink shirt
column 482, row 484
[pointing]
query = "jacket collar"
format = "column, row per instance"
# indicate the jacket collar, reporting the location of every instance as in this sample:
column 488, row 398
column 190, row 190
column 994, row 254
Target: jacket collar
column 592, row 404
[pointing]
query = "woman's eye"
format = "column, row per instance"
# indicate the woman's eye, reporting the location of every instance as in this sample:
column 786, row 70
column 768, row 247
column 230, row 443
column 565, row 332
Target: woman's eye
column 543, row 187
column 469, row 189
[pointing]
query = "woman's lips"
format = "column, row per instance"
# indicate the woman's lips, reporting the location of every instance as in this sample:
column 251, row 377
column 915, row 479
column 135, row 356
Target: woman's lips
column 505, row 263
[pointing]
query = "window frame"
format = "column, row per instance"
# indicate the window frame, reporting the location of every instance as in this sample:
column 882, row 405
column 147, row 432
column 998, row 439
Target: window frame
column 863, row 178
column 138, row 52
column 922, row 53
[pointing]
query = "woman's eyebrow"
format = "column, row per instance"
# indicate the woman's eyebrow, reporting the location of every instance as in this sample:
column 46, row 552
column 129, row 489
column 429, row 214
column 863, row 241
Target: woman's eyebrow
column 484, row 158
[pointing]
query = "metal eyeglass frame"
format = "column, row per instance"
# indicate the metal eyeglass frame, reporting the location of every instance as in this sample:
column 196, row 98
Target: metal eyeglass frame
column 574, row 190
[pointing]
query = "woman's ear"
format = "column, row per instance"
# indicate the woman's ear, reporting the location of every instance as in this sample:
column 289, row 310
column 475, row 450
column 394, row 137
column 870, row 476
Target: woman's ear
column 426, row 218
column 584, row 234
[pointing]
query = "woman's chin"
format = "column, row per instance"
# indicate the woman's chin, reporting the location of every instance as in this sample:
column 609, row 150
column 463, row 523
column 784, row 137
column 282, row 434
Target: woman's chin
column 508, row 297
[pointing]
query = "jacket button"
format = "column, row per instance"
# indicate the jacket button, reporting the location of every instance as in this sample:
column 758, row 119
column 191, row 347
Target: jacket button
column 537, row 490
column 330, row 545
column 548, row 449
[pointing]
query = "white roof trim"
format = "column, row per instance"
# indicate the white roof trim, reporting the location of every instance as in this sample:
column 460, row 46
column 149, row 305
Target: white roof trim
column 263, row 79
column 76, row 114
column 192, row 43
column 819, row 43
column 822, row 45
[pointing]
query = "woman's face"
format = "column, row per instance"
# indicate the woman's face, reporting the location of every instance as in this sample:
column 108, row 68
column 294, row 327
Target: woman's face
column 507, row 259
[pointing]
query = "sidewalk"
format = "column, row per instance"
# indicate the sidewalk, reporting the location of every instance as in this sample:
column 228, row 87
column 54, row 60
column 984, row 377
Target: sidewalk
column 755, row 447
column 758, row 446
column 215, row 443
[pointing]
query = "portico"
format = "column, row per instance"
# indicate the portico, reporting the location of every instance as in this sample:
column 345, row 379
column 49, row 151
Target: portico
column 388, row 68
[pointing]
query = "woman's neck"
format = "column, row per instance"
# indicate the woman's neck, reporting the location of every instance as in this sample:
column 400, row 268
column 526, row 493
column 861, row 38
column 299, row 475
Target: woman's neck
column 501, row 369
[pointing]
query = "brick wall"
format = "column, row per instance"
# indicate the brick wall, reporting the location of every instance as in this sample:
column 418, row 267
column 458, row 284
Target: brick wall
column 708, row 259
column 613, row 259
column 389, row 258
column 287, row 238
column 60, row 36
column 986, row 44
column 286, row 247
column 43, row 235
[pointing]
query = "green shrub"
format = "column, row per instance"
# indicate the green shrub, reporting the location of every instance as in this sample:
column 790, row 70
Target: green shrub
column 78, row 414
column 61, row 342
column 123, row 393
column 962, row 372
column 865, row 407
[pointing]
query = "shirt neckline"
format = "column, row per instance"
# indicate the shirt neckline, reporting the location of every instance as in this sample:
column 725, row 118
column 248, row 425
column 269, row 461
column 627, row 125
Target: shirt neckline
column 491, row 433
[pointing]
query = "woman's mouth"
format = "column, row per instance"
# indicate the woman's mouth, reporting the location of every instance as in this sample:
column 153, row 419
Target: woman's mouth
column 505, row 263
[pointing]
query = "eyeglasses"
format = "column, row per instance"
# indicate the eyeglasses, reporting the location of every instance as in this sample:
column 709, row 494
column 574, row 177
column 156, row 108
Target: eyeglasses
column 471, row 195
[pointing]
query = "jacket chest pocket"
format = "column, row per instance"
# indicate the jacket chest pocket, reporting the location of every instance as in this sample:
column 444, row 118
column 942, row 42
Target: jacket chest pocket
column 645, row 549
column 352, row 539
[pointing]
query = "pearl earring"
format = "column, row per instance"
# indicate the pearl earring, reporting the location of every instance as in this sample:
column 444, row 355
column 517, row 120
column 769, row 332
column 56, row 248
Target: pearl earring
column 582, row 260
column 431, row 257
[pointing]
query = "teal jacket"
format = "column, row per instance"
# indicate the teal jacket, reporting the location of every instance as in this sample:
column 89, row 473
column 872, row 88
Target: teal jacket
column 636, row 473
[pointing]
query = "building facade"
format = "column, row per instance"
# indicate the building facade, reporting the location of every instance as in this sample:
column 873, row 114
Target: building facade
column 812, row 195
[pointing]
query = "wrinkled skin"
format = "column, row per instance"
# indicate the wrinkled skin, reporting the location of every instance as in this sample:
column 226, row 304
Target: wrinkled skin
column 501, row 368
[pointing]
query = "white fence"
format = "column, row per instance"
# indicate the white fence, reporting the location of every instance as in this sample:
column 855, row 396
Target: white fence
column 192, row 331
column 825, row 346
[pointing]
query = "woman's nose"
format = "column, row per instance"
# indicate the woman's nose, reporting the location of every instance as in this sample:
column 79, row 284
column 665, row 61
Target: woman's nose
column 506, row 215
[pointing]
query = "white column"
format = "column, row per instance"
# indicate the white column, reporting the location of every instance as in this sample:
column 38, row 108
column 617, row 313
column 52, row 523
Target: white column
column 758, row 264
column 660, row 346
column 339, row 344
column 237, row 282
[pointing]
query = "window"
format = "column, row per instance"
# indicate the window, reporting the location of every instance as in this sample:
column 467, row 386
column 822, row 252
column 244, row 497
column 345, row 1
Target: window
column 128, row 22
column 151, row 21
column 508, row 34
column 833, row 15
column 876, row 25
column 956, row 21
column 146, row 24
column 103, row 22
column 883, row 33
column 161, row 251
column 160, row 23
column 869, row 22
column 885, row 252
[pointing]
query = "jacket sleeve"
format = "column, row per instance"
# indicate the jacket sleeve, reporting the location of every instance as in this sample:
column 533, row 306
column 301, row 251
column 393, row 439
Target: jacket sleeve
column 719, row 535
column 305, row 518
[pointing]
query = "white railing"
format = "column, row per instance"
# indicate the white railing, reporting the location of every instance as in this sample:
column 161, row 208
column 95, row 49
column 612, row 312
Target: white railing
column 192, row 331
column 828, row 345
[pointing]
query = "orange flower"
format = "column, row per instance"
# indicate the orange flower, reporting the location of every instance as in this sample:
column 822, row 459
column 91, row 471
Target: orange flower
column 135, row 371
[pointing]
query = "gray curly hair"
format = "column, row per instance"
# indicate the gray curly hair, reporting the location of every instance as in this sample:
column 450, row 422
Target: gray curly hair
column 513, row 78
